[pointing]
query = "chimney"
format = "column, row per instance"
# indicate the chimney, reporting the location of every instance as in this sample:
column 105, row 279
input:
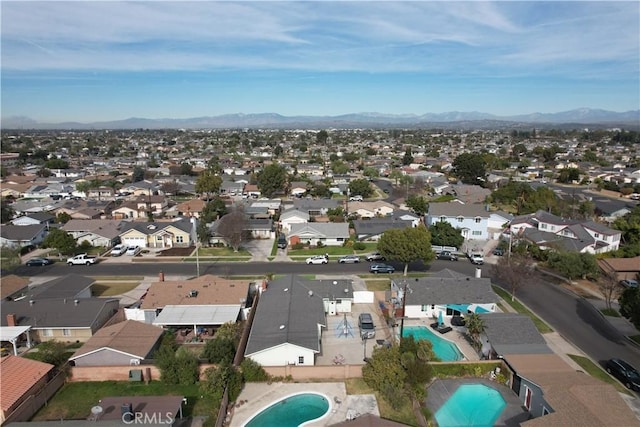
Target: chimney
column 161, row 276
column 12, row 320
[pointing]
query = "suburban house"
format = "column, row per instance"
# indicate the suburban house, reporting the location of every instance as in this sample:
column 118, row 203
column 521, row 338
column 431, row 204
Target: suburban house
column 19, row 236
column 158, row 235
column 510, row 333
column 102, row 193
column 328, row 233
column 469, row 194
column 71, row 286
column 34, row 219
column 549, row 231
column 232, row 187
column 372, row 229
column 151, row 203
column 292, row 216
column 190, row 208
column 259, row 228
column 98, row 232
column 22, row 379
column 124, row 343
column 202, row 303
column 378, row 208
column 471, row 219
column 141, row 188
column 251, row 190
column 404, row 215
column 86, row 209
column 444, row 294
column 61, row 319
column 272, row 205
column 287, row 325
column 498, row 222
column 316, row 207
column 620, row 268
column 298, row 188
column 13, row 287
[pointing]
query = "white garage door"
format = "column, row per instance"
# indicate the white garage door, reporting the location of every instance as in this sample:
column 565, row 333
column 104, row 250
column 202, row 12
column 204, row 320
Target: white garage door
column 135, row 241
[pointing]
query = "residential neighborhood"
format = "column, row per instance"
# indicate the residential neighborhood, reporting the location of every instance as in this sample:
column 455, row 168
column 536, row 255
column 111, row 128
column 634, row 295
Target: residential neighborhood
column 280, row 230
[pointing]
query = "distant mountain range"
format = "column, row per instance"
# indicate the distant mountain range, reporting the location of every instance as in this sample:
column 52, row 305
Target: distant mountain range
column 455, row 119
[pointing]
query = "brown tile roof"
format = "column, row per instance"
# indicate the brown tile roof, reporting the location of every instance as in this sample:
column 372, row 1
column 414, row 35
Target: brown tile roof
column 131, row 337
column 575, row 397
column 620, row 264
column 11, row 284
column 18, row 376
column 193, row 205
column 211, row 290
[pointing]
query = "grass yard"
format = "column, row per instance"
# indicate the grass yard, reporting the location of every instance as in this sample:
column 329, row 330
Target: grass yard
column 109, row 289
column 378, row 284
column 597, row 372
column 543, row 328
column 331, row 250
column 369, row 247
column 220, row 252
column 75, row 400
column 403, row 415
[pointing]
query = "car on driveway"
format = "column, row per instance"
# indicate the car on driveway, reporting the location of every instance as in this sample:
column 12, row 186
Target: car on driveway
column 39, row 262
column 448, row 256
column 133, row 250
column 349, row 259
column 119, row 250
column 629, row 283
column 498, row 252
column 381, row 268
column 624, row 372
column 376, row 256
column 317, row 259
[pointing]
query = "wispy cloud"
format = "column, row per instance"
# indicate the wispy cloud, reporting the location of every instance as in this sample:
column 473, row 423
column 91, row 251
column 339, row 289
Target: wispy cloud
column 475, row 38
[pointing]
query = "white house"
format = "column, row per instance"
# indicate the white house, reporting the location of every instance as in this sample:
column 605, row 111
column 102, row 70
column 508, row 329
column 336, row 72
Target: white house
column 374, row 209
column 327, row 233
column 471, row 219
column 292, row 216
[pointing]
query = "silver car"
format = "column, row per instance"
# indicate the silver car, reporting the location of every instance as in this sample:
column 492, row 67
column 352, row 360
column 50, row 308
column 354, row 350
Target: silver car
column 349, row 259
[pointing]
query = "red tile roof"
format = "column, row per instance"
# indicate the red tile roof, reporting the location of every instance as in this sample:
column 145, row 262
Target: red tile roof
column 17, row 376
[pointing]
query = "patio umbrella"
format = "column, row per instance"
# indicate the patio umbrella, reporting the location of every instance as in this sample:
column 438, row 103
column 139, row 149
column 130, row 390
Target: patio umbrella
column 440, row 319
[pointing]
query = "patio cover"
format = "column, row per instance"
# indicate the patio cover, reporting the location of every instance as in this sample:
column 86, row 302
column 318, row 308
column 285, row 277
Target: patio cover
column 462, row 308
column 12, row 333
column 197, row 315
column 478, row 309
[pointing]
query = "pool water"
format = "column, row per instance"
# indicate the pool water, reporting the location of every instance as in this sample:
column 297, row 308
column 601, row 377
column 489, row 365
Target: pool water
column 291, row 411
column 445, row 350
column 471, row 405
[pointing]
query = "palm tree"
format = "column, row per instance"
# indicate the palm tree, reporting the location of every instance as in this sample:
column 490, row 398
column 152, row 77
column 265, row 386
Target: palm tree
column 475, row 326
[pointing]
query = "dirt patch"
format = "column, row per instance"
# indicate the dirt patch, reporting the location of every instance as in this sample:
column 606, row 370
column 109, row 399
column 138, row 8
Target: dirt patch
column 177, row 251
column 584, row 288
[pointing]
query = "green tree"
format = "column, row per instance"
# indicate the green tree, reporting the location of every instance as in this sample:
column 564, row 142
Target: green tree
column 407, row 159
column 573, row 265
column 272, row 179
column 385, row 373
column 63, row 218
column 371, row 173
column 630, row 305
column 219, row 378
column 321, row 137
column 406, row 245
column 61, row 241
column 137, row 175
column 470, row 168
column 186, row 169
column 52, row 352
column 10, row 257
column 360, row 187
column 418, row 204
column 475, row 326
column 186, row 365
column 56, row 164
column 444, row 234
column 252, row 371
column 6, row 211
column 219, row 350
column 339, row 167
column 396, row 175
column 568, row 175
column 214, row 209
column 208, row 183
column 233, row 227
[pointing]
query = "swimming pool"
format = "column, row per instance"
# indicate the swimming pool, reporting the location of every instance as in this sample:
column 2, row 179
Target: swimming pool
column 292, row 411
column 471, row 405
column 444, row 350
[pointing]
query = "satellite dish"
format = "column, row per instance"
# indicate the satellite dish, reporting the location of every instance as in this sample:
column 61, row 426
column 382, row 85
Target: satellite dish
column 335, row 282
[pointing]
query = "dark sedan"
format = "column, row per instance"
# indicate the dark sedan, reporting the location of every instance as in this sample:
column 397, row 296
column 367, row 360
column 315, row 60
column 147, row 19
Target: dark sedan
column 625, row 373
column 39, row 262
column 381, row 268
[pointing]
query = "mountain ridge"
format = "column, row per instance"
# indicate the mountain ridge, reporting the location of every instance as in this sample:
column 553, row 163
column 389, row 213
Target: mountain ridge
column 577, row 117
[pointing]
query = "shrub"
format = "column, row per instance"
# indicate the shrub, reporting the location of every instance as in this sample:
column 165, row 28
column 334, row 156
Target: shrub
column 297, row 246
column 320, row 245
column 359, row 246
column 252, row 371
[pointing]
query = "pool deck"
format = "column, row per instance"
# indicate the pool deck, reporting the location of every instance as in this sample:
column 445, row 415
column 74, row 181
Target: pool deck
column 455, row 336
column 441, row 390
column 256, row 397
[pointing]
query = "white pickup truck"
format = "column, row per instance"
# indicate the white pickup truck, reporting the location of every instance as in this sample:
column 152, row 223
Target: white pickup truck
column 82, row 259
column 476, row 258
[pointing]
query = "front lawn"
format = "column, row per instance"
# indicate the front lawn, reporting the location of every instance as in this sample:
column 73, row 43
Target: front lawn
column 109, row 289
column 221, row 252
column 75, row 400
column 331, row 250
column 597, row 372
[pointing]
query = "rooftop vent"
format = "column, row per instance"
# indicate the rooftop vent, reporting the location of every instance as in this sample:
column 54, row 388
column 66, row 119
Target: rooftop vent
column 310, row 293
column 281, row 327
column 286, row 289
column 193, row 293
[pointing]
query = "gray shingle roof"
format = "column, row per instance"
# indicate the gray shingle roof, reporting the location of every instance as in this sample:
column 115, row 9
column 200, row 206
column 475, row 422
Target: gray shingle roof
column 21, row 232
column 68, row 286
column 512, row 333
column 450, row 290
column 321, row 229
column 458, row 209
column 376, row 226
column 57, row 312
column 291, row 302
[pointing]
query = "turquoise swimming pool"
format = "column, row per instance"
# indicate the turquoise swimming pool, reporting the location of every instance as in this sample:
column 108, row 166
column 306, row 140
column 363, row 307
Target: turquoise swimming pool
column 292, row 411
column 444, row 350
column 471, row 405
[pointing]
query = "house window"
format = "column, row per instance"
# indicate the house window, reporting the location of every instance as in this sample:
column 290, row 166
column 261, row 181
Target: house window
column 596, row 235
column 179, row 239
column 543, row 226
column 66, row 332
column 443, row 218
column 424, row 308
column 340, row 239
column 553, row 228
column 478, row 219
column 476, row 233
column 460, row 219
column 47, row 332
column 159, row 238
column 300, row 360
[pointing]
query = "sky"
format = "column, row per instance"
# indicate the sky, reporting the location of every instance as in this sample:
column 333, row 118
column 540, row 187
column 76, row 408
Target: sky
column 91, row 61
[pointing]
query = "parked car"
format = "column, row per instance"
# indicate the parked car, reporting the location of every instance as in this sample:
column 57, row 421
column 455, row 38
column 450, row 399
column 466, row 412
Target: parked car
column 476, row 258
column 624, row 372
column 38, row 262
column 498, row 252
column 367, row 328
column 349, row 259
column 381, row 268
column 133, row 250
column 356, row 198
column 81, row 259
column 317, row 259
column 376, row 256
column 448, row 256
column 629, row 283
column 282, row 242
column 119, row 250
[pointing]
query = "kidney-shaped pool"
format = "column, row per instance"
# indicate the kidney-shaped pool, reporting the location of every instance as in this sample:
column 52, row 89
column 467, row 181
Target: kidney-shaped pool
column 292, row 411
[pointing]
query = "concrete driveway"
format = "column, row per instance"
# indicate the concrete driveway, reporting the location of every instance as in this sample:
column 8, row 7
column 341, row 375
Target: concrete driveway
column 260, row 249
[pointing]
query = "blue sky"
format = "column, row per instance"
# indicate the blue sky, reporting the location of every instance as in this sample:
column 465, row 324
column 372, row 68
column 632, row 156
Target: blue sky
column 91, row 61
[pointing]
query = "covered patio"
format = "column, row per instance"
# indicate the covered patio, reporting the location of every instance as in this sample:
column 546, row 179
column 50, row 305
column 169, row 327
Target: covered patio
column 12, row 335
column 197, row 321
